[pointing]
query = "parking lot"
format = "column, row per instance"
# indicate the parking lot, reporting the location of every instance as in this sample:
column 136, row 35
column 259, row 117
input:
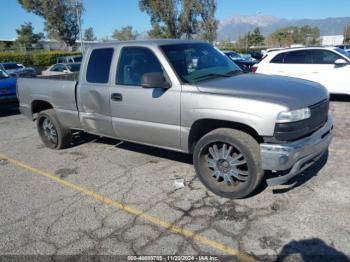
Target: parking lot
column 105, row 197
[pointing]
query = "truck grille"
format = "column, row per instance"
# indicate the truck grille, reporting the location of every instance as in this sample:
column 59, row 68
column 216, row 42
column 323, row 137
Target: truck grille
column 300, row 129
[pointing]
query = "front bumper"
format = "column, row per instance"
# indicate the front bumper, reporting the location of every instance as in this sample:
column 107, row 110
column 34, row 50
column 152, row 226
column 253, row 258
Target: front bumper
column 296, row 156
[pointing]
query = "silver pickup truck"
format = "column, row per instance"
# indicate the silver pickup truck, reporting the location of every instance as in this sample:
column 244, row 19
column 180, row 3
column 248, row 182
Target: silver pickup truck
column 189, row 97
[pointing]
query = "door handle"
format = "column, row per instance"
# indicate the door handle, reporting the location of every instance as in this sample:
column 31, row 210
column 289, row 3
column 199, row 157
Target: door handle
column 116, row 97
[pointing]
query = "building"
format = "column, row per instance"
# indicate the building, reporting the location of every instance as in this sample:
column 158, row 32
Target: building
column 327, row 40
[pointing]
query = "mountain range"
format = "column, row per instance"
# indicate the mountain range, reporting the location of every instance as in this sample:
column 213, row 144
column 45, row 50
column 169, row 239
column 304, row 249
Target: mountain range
column 233, row 27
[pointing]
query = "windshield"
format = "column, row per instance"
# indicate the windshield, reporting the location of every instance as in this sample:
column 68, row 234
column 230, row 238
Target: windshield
column 234, row 56
column 342, row 51
column 197, row 61
column 3, row 74
column 74, row 67
column 12, row 66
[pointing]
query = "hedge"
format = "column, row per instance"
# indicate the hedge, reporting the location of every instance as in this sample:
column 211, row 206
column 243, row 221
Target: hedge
column 39, row 58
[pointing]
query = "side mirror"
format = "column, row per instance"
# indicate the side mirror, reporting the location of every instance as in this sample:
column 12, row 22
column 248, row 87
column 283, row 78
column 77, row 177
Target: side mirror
column 154, row 80
column 340, row 62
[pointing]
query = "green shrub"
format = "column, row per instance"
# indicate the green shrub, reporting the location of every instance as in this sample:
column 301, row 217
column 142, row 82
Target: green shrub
column 39, row 58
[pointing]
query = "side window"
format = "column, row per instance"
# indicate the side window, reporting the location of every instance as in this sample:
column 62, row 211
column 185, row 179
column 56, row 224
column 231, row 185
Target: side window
column 324, row 57
column 278, row 59
column 99, row 65
column 56, row 68
column 298, row 57
column 133, row 63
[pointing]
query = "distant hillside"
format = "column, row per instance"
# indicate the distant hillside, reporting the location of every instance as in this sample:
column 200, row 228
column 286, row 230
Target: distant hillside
column 232, row 27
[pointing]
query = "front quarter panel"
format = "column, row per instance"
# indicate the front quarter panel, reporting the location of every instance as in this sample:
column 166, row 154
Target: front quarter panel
column 261, row 116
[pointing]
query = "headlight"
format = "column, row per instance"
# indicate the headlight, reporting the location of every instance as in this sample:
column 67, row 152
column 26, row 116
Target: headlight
column 294, row 115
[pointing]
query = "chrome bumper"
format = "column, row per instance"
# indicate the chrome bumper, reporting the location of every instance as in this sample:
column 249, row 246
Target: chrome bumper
column 297, row 155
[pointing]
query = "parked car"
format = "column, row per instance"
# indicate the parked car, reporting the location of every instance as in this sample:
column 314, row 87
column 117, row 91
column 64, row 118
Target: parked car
column 245, row 65
column 18, row 70
column 187, row 96
column 69, row 59
column 328, row 66
column 7, row 87
column 344, row 47
column 58, row 69
column 257, row 55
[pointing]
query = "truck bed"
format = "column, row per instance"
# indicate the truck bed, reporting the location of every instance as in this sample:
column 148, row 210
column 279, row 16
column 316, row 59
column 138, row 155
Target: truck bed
column 59, row 91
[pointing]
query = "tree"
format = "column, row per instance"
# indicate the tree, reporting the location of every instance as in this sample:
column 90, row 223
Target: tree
column 244, row 41
column 208, row 25
column 305, row 35
column 26, row 38
column 178, row 18
column 2, row 46
column 61, row 17
column 157, row 31
column 164, row 13
column 89, row 34
column 256, row 38
column 125, row 33
column 347, row 34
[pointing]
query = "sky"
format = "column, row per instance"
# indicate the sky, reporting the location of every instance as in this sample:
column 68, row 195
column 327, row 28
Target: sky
column 106, row 15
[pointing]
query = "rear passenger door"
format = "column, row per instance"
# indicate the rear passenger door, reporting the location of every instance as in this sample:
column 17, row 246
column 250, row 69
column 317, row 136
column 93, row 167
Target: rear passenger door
column 334, row 78
column 146, row 115
column 93, row 92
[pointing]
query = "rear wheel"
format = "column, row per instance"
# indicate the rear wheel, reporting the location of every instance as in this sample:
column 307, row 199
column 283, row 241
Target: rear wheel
column 228, row 162
column 51, row 132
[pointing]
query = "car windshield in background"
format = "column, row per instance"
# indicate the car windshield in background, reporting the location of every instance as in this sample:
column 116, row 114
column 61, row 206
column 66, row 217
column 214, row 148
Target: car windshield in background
column 196, row 62
column 234, row 56
column 12, row 66
column 3, row 74
column 342, row 51
column 74, row 67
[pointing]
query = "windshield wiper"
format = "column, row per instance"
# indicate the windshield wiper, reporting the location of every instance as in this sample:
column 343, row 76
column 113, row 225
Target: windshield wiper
column 214, row 75
column 203, row 77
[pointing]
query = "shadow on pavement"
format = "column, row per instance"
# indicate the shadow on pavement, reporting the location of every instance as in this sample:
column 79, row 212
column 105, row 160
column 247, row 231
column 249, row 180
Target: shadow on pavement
column 9, row 109
column 340, row 98
column 305, row 176
column 296, row 181
column 148, row 150
column 313, row 249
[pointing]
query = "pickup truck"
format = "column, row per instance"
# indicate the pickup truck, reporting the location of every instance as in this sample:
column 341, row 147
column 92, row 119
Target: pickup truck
column 187, row 96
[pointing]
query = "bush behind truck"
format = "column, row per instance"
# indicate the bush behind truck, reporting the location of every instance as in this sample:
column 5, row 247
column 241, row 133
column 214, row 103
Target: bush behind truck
column 38, row 59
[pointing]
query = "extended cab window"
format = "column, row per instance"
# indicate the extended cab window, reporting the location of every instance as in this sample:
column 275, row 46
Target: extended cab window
column 133, row 63
column 99, row 66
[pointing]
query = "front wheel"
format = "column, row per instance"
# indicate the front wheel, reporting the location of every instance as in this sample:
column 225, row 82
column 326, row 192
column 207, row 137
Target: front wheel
column 228, row 163
column 51, row 132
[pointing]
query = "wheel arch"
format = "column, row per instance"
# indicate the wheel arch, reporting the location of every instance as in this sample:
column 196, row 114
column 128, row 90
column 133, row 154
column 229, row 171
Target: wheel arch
column 40, row 105
column 203, row 126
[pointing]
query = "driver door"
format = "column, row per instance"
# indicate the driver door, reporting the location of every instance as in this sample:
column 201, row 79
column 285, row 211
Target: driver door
column 145, row 115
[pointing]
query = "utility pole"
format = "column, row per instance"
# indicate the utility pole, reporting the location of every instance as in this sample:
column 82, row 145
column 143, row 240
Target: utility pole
column 78, row 5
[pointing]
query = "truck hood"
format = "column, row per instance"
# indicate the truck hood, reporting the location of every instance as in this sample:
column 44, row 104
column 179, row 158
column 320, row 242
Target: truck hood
column 292, row 93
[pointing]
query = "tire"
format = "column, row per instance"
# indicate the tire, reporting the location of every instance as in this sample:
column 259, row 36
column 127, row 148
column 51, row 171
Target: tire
column 231, row 171
column 51, row 132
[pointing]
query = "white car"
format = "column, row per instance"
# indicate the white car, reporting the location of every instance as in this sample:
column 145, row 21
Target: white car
column 329, row 66
column 59, row 69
